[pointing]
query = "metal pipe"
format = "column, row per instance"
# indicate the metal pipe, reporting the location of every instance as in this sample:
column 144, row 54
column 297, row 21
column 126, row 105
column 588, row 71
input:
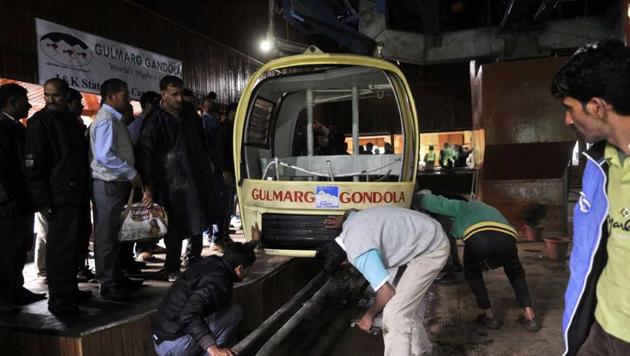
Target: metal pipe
column 309, row 122
column 355, row 124
column 272, row 7
column 278, row 314
column 330, row 172
column 294, row 321
column 275, row 159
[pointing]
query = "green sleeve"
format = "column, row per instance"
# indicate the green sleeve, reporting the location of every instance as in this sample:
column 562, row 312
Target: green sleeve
column 439, row 205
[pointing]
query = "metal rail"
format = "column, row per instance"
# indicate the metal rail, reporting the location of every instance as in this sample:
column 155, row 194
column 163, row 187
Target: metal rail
column 295, row 320
column 268, row 324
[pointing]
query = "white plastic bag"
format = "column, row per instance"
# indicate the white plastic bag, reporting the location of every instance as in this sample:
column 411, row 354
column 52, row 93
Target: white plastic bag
column 140, row 223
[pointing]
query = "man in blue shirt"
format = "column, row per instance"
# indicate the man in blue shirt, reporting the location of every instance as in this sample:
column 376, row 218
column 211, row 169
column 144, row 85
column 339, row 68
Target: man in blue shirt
column 377, row 241
column 113, row 173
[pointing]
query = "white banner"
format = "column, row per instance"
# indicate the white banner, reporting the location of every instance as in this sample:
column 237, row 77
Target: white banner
column 85, row 60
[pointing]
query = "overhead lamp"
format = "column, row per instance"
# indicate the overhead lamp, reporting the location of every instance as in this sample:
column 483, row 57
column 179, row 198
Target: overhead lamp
column 267, row 44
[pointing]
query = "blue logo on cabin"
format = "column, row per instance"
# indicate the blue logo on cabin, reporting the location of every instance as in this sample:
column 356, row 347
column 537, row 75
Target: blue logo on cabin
column 326, row 197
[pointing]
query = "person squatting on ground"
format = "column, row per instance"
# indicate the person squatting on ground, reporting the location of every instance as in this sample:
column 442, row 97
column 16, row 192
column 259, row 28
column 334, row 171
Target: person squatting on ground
column 16, row 210
column 57, row 175
column 594, row 87
column 113, row 175
column 489, row 243
column 179, row 173
column 384, row 238
column 197, row 314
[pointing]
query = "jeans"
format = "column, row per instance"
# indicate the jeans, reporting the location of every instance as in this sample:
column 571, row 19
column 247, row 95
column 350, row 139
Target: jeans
column 221, row 325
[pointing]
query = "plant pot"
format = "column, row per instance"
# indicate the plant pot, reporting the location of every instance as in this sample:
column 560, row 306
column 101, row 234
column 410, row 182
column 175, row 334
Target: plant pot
column 533, row 233
column 557, row 247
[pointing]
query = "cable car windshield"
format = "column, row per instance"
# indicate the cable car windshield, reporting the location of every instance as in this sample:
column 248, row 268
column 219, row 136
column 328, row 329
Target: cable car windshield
column 338, row 123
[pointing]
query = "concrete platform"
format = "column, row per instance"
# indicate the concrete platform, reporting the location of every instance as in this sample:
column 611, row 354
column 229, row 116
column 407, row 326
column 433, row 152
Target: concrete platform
column 124, row 328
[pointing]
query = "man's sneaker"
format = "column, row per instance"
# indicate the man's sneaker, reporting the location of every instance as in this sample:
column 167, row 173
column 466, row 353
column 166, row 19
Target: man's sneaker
column 86, row 275
column 172, row 277
column 235, row 222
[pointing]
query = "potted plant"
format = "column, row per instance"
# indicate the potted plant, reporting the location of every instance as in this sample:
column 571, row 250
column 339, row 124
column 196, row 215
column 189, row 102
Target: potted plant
column 532, row 216
column 557, row 247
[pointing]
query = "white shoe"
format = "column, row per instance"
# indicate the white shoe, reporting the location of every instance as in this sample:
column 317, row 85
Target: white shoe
column 235, row 222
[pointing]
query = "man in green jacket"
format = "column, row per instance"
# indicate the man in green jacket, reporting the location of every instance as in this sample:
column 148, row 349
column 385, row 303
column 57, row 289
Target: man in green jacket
column 489, row 243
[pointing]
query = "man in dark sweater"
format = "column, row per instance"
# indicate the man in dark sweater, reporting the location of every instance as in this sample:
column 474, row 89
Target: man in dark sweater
column 197, row 313
column 57, row 177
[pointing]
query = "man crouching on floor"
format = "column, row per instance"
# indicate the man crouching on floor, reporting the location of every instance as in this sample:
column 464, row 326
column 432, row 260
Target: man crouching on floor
column 197, row 314
column 386, row 237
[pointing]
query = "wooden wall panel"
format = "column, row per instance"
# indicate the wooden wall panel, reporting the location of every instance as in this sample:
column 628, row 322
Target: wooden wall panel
column 208, row 65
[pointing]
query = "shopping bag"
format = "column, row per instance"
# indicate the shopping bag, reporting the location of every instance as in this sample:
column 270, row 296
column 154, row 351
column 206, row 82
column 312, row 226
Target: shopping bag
column 140, row 223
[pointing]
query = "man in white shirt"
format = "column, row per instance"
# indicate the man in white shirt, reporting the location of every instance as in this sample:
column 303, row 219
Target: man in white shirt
column 383, row 238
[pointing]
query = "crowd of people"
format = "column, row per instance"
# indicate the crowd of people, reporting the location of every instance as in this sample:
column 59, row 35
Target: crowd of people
column 170, row 154
column 68, row 183
column 450, row 156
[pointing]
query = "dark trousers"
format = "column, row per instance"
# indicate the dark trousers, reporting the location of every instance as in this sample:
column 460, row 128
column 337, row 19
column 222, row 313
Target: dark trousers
column 453, row 265
column 125, row 255
column 173, row 245
column 16, row 239
column 601, row 343
column 62, row 246
column 84, row 238
column 109, row 200
column 488, row 250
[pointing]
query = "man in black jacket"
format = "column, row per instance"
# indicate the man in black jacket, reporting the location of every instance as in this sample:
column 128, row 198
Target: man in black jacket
column 57, row 176
column 197, row 313
column 178, row 172
column 16, row 214
column 222, row 153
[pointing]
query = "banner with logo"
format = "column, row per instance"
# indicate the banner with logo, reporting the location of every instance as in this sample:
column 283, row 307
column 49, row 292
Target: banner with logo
column 85, row 60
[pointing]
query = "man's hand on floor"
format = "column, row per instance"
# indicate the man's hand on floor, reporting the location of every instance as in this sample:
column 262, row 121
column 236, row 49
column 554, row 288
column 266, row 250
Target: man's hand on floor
column 214, row 350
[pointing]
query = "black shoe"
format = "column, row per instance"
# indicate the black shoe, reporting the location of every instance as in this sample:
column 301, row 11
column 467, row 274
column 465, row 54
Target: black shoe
column 82, row 295
column 129, row 284
column 490, row 323
column 6, row 307
column 24, row 296
column 447, row 279
column 63, row 309
column 133, row 267
column 86, row 275
column 115, row 293
column 531, row 325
